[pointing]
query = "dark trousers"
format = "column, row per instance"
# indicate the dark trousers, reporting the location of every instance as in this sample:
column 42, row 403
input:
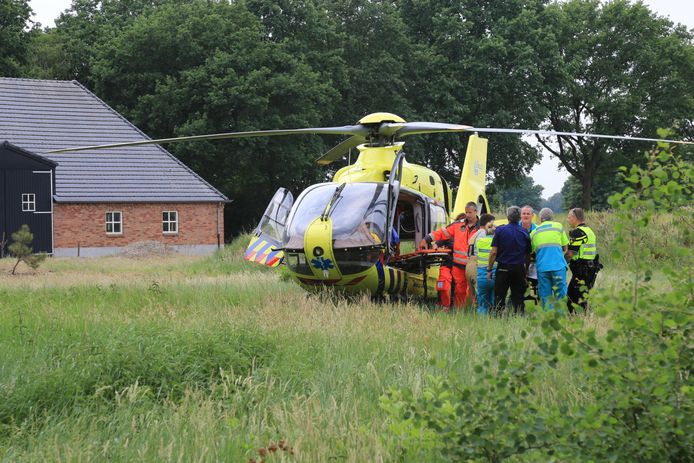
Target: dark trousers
column 582, row 279
column 510, row 276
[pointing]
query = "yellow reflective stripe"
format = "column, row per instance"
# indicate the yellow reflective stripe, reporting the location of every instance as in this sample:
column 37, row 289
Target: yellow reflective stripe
column 548, row 245
column 546, row 229
column 588, row 249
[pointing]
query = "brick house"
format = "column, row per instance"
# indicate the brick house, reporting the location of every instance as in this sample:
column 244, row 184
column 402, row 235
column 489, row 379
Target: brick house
column 102, row 200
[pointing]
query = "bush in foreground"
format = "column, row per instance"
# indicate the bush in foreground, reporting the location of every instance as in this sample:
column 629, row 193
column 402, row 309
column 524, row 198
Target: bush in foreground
column 639, row 397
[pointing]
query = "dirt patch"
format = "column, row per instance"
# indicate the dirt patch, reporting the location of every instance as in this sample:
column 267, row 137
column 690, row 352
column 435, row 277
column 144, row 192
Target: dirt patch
column 142, row 249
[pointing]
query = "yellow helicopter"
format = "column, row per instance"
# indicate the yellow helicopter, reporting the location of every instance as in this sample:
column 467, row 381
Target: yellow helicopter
column 347, row 233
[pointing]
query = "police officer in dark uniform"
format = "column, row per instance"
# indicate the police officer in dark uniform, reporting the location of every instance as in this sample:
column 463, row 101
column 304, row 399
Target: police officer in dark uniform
column 583, row 260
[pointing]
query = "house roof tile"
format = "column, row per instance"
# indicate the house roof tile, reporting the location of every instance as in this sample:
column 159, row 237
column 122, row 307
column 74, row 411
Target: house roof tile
column 45, row 115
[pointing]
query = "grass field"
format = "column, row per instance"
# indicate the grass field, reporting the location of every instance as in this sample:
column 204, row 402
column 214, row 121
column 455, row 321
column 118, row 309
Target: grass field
column 212, row 359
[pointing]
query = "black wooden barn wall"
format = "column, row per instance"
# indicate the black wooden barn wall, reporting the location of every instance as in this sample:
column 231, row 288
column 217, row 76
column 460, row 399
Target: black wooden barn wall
column 22, row 172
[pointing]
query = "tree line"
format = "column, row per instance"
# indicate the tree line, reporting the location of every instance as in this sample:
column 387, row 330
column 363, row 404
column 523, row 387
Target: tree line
column 177, row 67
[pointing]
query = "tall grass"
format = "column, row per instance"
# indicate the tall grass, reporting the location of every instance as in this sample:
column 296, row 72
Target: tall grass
column 656, row 239
column 210, row 359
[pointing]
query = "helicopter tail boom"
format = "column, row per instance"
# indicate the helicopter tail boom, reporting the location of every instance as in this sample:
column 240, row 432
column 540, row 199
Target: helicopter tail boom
column 473, row 175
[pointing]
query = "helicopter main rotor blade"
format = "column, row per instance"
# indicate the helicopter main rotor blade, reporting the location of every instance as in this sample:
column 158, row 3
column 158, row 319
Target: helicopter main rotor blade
column 417, row 128
column 358, row 130
column 340, row 150
column 575, row 134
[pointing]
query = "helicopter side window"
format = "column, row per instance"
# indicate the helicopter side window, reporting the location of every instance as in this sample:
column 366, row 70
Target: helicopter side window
column 272, row 223
column 438, row 216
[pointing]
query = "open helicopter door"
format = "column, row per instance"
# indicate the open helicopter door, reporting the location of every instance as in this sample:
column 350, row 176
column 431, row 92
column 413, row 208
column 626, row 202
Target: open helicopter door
column 394, row 179
column 267, row 236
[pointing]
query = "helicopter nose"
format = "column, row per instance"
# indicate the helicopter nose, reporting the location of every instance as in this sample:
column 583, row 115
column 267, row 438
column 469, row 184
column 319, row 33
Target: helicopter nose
column 319, row 249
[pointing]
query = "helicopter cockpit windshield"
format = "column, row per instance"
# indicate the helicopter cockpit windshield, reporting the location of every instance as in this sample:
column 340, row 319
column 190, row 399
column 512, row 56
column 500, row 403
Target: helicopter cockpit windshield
column 358, row 212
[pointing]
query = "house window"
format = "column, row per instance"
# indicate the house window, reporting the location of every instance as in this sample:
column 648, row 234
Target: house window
column 28, row 202
column 170, row 222
column 114, row 223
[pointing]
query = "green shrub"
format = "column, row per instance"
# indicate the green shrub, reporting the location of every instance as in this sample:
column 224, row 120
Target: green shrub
column 639, row 398
column 21, row 249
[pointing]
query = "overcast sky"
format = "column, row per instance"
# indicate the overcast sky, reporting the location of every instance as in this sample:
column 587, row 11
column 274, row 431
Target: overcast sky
column 547, row 173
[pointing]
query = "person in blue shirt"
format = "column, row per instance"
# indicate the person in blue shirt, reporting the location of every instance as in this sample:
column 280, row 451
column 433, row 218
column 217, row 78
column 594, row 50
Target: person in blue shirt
column 511, row 250
column 549, row 243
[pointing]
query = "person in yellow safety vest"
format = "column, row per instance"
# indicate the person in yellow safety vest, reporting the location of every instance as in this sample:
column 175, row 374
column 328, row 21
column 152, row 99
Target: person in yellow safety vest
column 549, row 243
column 583, row 258
column 482, row 248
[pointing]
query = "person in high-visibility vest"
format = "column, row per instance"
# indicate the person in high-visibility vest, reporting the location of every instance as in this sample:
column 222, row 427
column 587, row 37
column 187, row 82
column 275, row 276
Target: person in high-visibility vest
column 583, row 258
column 549, row 243
column 460, row 232
column 482, row 248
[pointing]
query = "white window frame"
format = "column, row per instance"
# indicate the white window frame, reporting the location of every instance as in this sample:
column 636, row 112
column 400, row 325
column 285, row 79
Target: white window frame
column 113, row 222
column 169, row 222
column 28, row 202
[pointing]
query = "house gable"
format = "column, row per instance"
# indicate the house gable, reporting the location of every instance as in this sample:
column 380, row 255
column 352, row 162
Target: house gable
column 15, row 158
column 44, row 115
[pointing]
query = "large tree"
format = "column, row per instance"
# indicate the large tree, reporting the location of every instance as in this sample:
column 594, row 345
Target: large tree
column 605, row 184
column 47, row 57
column 86, row 27
column 475, row 62
column 612, row 68
column 554, row 202
column 14, row 35
column 526, row 193
column 376, row 52
column 208, row 67
column 179, row 67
